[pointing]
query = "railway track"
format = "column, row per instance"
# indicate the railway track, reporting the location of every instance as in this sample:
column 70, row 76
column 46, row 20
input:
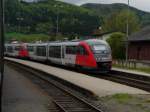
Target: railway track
column 138, row 81
column 62, row 97
column 67, row 101
column 129, row 79
column 133, row 80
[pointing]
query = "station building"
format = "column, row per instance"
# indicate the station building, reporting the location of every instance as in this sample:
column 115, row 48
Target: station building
column 139, row 45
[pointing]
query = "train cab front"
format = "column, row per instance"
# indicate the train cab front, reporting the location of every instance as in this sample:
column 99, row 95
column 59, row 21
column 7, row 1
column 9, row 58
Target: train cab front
column 102, row 55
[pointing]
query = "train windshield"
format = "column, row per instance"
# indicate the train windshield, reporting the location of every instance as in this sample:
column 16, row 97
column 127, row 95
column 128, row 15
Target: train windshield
column 100, row 48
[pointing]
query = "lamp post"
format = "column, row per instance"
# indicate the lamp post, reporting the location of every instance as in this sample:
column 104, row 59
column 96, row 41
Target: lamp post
column 57, row 19
column 19, row 18
column 127, row 32
column 1, row 50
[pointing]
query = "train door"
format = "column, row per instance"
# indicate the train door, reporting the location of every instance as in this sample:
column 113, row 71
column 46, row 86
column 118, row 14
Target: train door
column 70, row 56
column 82, row 56
column 10, row 50
column 31, row 51
column 16, row 50
column 13, row 50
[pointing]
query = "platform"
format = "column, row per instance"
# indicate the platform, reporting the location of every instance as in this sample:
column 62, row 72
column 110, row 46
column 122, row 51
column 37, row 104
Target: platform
column 99, row 87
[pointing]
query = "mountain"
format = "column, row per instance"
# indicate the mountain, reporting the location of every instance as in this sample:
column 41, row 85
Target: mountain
column 41, row 17
column 104, row 10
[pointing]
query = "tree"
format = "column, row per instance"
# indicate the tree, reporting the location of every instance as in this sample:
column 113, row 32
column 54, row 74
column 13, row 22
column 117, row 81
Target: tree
column 116, row 42
column 44, row 28
column 118, row 22
column 41, row 17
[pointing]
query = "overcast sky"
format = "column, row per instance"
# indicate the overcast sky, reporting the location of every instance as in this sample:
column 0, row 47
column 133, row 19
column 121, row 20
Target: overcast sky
column 140, row 4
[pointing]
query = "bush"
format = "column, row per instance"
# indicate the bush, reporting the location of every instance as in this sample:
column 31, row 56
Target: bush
column 117, row 44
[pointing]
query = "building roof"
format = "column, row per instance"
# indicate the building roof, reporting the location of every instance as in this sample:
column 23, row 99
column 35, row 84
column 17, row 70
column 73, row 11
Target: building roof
column 142, row 35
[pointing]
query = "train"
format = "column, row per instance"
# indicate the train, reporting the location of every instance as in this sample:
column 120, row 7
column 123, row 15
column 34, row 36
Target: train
column 91, row 54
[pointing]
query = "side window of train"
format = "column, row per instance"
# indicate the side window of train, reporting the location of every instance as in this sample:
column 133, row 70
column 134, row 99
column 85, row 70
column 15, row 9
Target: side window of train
column 10, row 49
column 55, row 51
column 71, row 50
column 41, row 50
column 81, row 50
column 30, row 48
column 17, row 48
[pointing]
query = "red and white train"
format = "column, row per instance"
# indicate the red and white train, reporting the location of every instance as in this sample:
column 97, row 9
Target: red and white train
column 92, row 54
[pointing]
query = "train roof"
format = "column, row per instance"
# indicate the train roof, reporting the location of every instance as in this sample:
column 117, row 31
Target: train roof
column 74, row 42
column 12, row 44
column 95, row 41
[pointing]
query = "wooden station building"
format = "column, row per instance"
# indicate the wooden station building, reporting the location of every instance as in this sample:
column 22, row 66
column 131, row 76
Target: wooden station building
column 139, row 45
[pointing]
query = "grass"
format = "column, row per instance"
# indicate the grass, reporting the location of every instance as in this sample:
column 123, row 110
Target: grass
column 147, row 101
column 26, row 37
column 140, row 69
column 122, row 98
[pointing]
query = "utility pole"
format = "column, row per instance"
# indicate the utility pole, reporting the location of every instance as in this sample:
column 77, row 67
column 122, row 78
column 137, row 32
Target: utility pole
column 57, row 19
column 1, row 50
column 19, row 18
column 57, row 31
column 127, row 32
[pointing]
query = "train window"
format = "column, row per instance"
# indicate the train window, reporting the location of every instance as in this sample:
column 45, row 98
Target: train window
column 41, row 51
column 55, row 51
column 68, row 50
column 10, row 49
column 100, row 48
column 82, row 51
column 17, row 48
column 71, row 50
column 30, row 48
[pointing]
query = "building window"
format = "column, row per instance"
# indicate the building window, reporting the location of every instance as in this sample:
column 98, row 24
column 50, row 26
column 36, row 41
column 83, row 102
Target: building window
column 41, row 51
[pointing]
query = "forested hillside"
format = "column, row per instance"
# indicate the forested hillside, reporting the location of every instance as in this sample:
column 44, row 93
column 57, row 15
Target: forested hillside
column 41, row 17
column 32, row 18
column 105, row 10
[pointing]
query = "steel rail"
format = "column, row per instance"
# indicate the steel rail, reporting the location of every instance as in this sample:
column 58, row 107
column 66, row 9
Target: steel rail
column 60, row 101
column 71, row 94
column 56, row 103
column 142, row 83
